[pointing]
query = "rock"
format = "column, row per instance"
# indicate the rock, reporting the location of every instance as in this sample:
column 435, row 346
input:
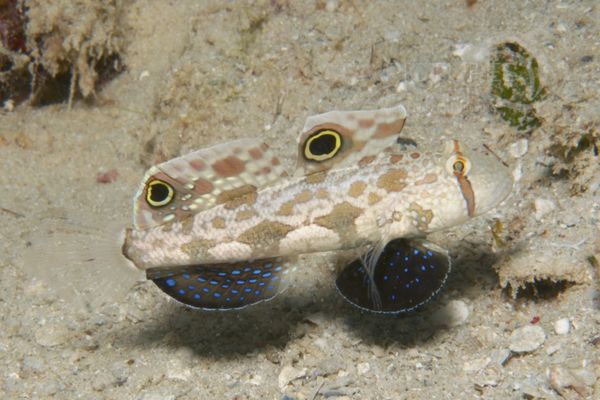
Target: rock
column 32, row 365
column 329, row 366
column 472, row 53
column 52, row 335
column 527, row 339
column 455, row 313
column 564, row 380
column 288, row 374
column 562, row 326
column 476, row 365
column 363, row 368
column 543, row 207
column 553, row 348
column 500, row 356
column 519, row 148
column 156, row 396
column 120, row 372
column 255, row 380
column 177, row 368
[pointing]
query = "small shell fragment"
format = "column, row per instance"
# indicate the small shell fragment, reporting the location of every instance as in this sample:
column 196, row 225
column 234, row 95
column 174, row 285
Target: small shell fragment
column 562, row 326
column 527, row 339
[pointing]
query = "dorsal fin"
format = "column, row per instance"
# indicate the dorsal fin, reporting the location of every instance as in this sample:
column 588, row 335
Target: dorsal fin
column 202, row 179
column 341, row 138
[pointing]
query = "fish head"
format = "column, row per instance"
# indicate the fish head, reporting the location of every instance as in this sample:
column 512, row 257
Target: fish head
column 475, row 182
column 444, row 187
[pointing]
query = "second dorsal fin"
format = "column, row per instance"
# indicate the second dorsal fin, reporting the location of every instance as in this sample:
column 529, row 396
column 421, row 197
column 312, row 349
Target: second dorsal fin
column 202, row 179
column 341, row 138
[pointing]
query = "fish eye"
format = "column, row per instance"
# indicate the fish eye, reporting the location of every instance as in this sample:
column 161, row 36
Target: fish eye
column 323, row 145
column 458, row 166
column 159, row 193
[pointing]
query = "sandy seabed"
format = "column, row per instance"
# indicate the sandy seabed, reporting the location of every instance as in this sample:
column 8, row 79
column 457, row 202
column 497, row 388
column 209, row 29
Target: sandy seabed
column 520, row 316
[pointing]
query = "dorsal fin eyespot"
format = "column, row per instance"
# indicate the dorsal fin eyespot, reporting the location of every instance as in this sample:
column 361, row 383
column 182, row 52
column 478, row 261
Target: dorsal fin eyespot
column 189, row 184
column 325, row 142
column 354, row 135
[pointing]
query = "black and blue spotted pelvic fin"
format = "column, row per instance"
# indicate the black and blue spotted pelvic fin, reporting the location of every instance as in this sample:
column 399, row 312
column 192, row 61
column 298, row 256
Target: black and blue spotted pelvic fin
column 222, row 286
column 407, row 274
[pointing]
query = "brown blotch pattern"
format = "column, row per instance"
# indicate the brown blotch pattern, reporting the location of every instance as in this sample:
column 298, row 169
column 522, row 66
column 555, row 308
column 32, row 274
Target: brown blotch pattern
column 424, row 216
column 303, row 197
column 341, row 220
column 255, row 153
column 396, row 158
column 267, row 233
column 384, row 130
column 229, row 166
column 365, row 123
column 198, row 248
column 415, row 155
column 429, row 178
column 243, row 215
column 218, row 223
column 286, row 209
column 356, row 189
column 322, row 194
column 187, row 224
column 366, row 160
column 317, row 177
column 202, row 186
column 373, row 198
column 236, row 197
column 393, row 180
column 198, row 164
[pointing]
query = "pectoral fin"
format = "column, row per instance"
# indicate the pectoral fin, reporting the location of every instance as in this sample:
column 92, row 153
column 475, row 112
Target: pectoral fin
column 406, row 275
column 222, row 286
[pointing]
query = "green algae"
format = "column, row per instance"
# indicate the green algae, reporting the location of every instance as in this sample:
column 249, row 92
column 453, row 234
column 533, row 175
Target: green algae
column 516, row 86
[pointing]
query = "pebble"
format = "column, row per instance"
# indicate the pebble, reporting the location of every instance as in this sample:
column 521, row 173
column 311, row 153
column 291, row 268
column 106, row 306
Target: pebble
column 562, row 326
column 566, row 381
column 329, row 366
column 177, row 371
column 527, row 338
column 363, row 368
column 453, row 314
column 543, row 207
column 52, row 335
column 500, row 356
column 553, row 348
column 474, row 53
column 156, row 396
column 288, row 374
column 120, row 372
column 476, row 365
column 519, row 148
column 32, row 365
column 255, row 380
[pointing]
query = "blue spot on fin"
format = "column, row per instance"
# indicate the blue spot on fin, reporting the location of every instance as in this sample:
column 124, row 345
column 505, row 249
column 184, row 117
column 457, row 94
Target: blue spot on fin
column 222, row 286
column 411, row 286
